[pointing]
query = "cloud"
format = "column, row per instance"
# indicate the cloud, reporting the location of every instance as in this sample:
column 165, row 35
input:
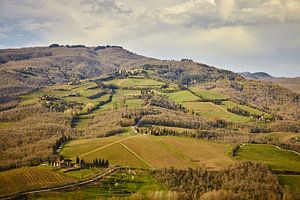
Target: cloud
column 258, row 34
column 103, row 7
column 213, row 13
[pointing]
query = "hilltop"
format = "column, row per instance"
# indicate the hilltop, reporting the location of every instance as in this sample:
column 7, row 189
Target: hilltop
column 291, row 83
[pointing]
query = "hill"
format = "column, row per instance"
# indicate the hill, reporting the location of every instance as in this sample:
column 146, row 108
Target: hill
column 141, row 113
column 290, row 83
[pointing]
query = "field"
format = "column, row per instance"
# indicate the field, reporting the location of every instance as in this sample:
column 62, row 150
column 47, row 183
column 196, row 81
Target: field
column 231, row 104
column 82, row 146
column 275, row 158
column 135, row 82
column 207, row 94
column 29, row 178
column 150, row 151
column 212, row 111
column 119, row 99
column 182, row 96
column 292, row 182
column 121, row 184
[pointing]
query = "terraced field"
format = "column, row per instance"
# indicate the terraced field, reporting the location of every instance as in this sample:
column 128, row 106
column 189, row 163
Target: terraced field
column 207, row 94
column 135, row 82
column 212, row 111
column 231, row 104
column 182, row 96
column 275, row 158
column 29, row 178
column 292, row 182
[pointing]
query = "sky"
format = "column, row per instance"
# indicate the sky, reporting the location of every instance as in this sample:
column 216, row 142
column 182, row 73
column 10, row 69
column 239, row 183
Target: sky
column 239, row 35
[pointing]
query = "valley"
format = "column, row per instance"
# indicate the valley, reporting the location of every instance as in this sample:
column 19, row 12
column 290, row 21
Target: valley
column 146, row 119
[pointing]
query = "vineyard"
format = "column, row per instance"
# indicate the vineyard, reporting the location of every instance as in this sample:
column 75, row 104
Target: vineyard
column 157, row 152
column 117, row 154
column 29, row 178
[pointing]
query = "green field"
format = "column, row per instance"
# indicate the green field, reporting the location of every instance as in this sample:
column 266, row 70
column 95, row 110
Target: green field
column 119, row 99
column 157, row 152
column 207, row 94
column 29, row 178
column 135, row 102
column 117, row 154
column 182, row 96
column 275, row 158
column 121, row 184
column 212, row 111
column 292, row 182
column 135, row 82
column 231, row 104
column 82, row 146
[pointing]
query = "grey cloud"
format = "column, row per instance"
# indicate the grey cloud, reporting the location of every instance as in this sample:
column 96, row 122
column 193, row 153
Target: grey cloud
column 215, row 13
column 103, row 7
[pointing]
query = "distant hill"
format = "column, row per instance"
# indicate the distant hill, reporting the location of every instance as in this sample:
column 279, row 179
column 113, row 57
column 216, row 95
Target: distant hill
column 26, row 69
column 290, row 83
column 256, row 75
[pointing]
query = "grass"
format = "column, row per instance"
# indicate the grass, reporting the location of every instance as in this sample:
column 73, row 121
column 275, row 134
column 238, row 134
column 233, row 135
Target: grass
column 135, row 82
column 121, row 184
column 135, row 102
column 117, row 154
column 207, row 94
column 279, row 136
column 119, row 99
column 292, row 182
column 81, row 146
column 84, row 173
column 231, row 104
column 158, row 152
column 275, row 158
column 29, row 178
column 182, row 96
column 6, row 124
column 29, row 101
column 204, row 153
column 212, row 111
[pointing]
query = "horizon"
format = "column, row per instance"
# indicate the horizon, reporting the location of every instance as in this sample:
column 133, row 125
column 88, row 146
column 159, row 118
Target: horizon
column 236, row 35
column 219, row 67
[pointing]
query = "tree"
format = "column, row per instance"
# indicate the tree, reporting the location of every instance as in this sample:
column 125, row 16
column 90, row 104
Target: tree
column 61, row 157
column 77, row 160
column 82, row 161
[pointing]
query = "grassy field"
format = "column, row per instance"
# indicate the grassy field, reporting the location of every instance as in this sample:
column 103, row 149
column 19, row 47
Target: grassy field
column 275, row 158
column 204, row 153
column 231, row 104
column 29, row 178
column 182, row 96
column 82, row 146
column 117, row 154
column 212, row 111
column 135, row 82
column 135, row 102
column 207, row 94
column 119, row 99
column 157, row 152
column 292, row 182
column 6, row 124
column 121, row 184
column 279, row 136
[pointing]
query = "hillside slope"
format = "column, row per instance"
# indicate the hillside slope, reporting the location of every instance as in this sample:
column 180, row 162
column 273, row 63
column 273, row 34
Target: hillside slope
column 23, row 70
